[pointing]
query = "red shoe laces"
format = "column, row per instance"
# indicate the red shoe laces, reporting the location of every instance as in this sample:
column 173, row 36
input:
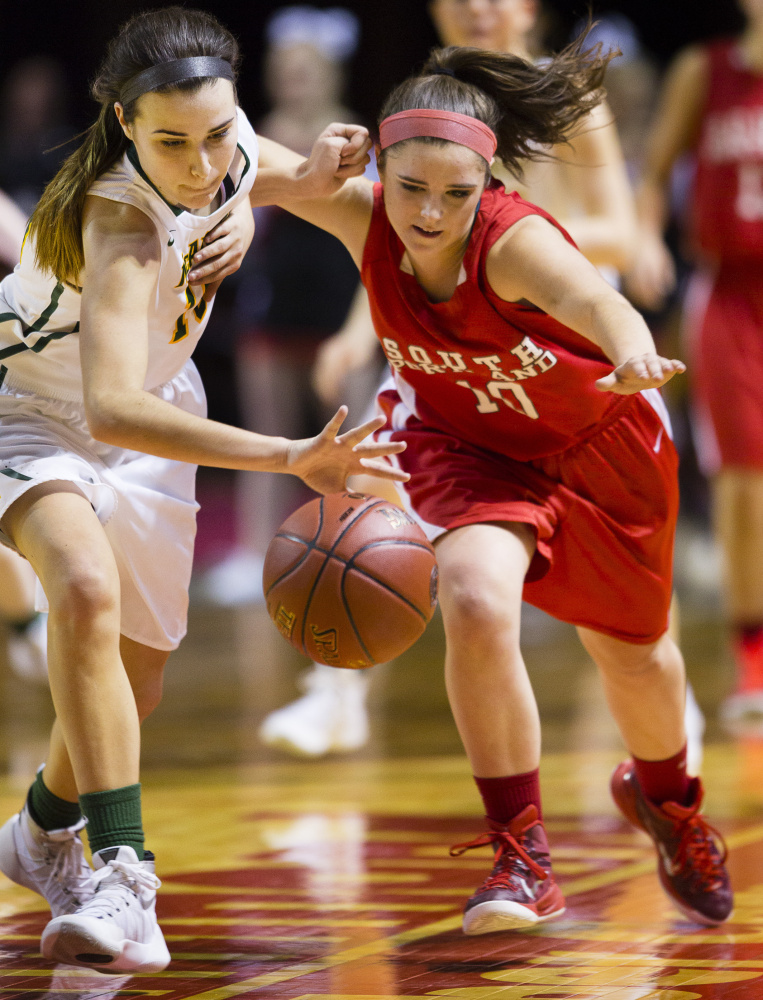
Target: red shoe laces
column 506, row 847
column 695, row 851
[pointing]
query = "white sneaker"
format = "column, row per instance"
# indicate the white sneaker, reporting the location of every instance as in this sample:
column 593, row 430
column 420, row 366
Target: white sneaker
column 51, row 863
column 116, row 930
column 694, row 724
column 28, row 650
column 330, row 716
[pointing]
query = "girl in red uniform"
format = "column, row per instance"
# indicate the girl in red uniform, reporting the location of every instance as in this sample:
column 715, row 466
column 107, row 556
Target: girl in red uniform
column 539, row 470
column 712, row 106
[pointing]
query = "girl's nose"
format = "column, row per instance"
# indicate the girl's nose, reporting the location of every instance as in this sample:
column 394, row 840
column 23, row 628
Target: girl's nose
column 430, row 210
column 200, row 164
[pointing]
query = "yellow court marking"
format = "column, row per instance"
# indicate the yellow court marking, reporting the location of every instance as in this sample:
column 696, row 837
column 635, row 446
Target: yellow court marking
column 617, row 958
column 271, row 922
column 348, row 881
column 297, row 938
column 239, row 904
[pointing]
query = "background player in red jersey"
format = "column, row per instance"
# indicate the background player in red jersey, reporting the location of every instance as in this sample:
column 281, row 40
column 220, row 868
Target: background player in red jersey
column 712, row 106
column 538, row 449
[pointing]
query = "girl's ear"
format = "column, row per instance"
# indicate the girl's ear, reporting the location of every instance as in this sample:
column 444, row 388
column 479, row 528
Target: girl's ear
column 119, row 111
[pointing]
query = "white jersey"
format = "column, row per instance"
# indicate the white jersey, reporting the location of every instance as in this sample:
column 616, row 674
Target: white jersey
column 39, row 315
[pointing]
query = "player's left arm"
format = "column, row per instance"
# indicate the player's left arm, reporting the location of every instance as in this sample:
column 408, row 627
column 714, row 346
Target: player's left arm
column 532, row 261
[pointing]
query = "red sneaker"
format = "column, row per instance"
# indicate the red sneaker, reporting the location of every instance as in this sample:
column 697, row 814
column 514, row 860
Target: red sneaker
column 520, row 891
column 692, row 854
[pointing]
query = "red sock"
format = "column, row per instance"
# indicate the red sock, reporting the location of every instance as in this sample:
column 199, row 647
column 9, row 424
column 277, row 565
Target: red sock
column 664, row 780
column 506, row 797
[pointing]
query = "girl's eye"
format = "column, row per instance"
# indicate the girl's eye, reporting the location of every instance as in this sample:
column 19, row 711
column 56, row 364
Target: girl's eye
column 221, row 135
column 460, row 194
column 409, row 187
column 171, row 143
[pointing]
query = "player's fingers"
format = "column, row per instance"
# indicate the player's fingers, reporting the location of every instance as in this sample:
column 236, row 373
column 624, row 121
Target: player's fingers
column 212, row 249
column 356, row 434
column 358, row 140
column 370, row 448
column 384, row 470
column 354, row 169
column 608, row 383
column 216, row 268
column 332, row 427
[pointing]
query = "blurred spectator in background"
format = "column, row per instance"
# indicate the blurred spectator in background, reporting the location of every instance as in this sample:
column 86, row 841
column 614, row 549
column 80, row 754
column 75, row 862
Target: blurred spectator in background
column 33, row 123
column 712, row 108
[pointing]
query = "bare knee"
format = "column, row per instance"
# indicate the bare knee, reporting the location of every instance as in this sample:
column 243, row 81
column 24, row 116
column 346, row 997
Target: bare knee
column 84, row 594
column 634, row 661
column 476, row 605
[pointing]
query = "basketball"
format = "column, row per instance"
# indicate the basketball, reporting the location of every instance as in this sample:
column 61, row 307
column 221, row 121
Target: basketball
column 350, row 580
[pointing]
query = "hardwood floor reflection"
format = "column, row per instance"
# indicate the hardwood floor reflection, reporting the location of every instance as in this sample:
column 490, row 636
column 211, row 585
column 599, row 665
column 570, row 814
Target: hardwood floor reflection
column 332, row 879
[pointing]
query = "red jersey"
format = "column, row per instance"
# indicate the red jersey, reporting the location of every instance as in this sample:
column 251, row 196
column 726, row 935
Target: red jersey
column 727, row 210
column 502, row 375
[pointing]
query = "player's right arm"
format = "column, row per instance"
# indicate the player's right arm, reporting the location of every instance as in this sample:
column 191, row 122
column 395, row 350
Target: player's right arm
column 675, row 131
column 122, row 260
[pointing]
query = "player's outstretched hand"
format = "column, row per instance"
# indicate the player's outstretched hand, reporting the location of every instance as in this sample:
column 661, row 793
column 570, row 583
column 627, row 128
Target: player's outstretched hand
column 645, row 371
column 224, row 248
column 326, row 461
column 339, row 152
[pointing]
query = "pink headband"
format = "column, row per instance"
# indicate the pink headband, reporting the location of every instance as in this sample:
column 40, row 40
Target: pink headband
column 450, row 125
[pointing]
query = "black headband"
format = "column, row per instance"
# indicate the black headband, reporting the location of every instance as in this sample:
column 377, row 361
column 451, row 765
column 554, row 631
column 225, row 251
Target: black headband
column 173, row 72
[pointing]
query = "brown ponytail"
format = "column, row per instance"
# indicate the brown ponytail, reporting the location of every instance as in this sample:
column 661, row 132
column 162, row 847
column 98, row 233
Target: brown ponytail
column 528, row 105
column 145, row 40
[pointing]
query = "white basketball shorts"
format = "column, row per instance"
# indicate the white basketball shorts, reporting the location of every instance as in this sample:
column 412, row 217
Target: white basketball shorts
column 146, row 504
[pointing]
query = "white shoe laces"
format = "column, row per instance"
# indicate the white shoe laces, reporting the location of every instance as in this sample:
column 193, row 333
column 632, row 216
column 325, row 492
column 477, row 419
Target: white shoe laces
column 64, row 857
column 110, row 883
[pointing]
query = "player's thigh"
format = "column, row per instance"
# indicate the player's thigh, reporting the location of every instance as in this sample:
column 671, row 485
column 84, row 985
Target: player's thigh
column 55, row 527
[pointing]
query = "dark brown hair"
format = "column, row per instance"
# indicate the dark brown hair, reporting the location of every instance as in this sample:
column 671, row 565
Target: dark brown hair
column 528, row 105
column 147, row 39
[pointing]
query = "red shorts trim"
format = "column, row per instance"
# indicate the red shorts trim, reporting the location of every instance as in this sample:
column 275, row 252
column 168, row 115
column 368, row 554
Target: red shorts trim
column 603, row 512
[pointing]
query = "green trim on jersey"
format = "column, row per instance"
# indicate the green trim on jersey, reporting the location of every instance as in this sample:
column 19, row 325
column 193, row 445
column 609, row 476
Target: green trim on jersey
column 247, row 165
column 37, row 327
column 132, row 156
column 12, row 474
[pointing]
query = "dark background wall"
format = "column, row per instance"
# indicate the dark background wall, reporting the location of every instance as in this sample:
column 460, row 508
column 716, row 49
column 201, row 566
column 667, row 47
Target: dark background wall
column 396, row 34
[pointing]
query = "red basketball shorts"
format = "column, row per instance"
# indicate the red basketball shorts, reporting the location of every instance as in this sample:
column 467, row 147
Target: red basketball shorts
column 724, row 325
column 603, row 512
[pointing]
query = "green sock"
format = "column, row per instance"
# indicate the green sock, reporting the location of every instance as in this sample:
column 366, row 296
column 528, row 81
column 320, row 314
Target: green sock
column 114, row 818
column 48, row 810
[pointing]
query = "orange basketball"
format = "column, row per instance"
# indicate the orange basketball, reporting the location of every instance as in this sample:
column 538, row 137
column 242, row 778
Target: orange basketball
column 350, row 580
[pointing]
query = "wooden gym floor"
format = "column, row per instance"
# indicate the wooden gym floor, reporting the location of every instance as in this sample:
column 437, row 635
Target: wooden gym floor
column 317, row 879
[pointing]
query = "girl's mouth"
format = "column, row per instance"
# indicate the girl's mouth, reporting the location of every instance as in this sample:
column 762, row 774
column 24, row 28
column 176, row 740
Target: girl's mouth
column 427, row 233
